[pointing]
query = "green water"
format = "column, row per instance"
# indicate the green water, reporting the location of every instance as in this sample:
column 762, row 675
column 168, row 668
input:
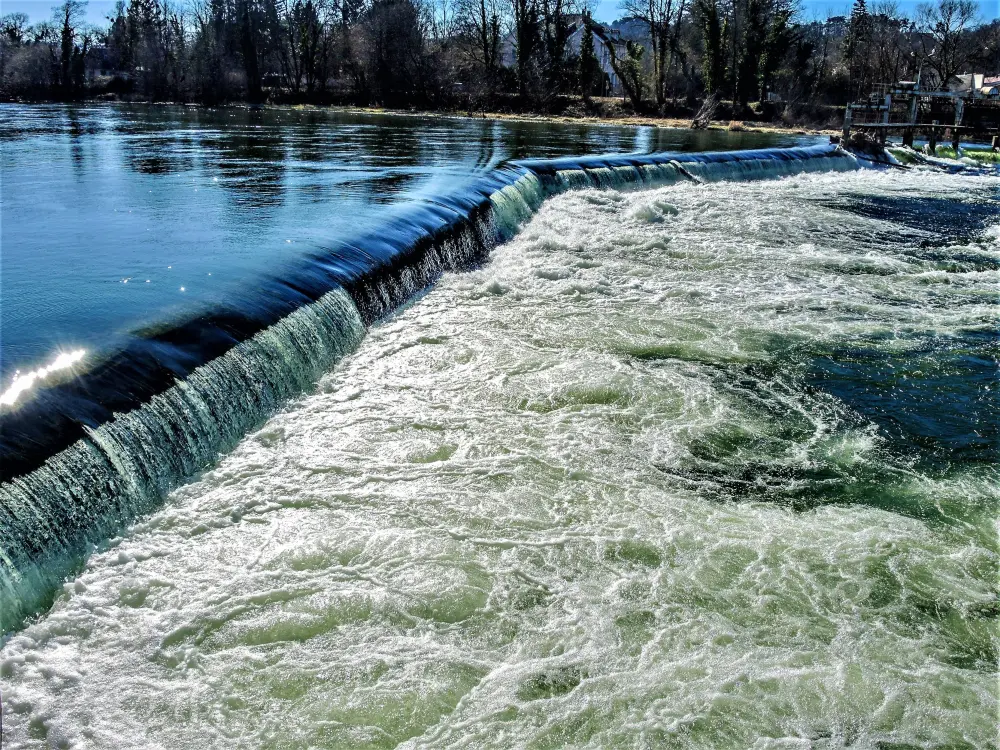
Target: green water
column 711, row 466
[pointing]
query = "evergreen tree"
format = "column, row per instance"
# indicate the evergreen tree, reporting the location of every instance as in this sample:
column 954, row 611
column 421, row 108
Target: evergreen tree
column 856, row 45
column 713, row 35
column 590, row 67
column 555, row 34
column 68, row 14
column 751, row 52
column 527, row 44
column 776, row 45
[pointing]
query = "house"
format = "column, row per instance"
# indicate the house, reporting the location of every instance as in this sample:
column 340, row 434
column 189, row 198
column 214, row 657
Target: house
column 604, row 39
column 976, row 85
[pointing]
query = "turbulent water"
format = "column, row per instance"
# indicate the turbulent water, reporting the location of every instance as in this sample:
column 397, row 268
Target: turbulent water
column 88, row 447
column 709, row 465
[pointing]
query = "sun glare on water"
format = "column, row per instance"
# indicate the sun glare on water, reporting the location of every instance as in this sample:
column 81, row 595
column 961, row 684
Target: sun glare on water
column 21, row 383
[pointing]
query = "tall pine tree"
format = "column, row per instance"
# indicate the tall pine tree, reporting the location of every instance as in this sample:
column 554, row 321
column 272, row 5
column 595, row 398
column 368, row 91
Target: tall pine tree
column 590, row 67
column 856, row 45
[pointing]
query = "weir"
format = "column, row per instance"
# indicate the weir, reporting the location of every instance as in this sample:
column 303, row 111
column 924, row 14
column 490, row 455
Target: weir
column 81, row 458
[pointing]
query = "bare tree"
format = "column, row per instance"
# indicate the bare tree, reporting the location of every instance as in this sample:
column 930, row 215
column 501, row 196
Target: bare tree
column 301, row 30
column 663, row 19
column 891, row 51
column 555, row 33
column 13, row 34
column 987, row 41
column 943, row 29
column 713, row 30
column 415, row 52
column 394, row 45
column 527, row 44
column 479, row 25
column 69, row 16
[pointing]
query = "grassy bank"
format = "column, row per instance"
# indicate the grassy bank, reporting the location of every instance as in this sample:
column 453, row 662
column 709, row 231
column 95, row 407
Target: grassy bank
column 984, row 155
column 814, row 120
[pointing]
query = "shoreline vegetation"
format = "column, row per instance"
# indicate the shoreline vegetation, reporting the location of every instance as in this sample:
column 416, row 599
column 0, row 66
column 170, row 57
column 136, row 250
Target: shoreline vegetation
column 619, row 120
column 755, row 65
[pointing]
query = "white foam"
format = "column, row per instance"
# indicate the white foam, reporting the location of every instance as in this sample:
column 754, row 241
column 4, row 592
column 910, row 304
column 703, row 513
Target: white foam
column 504, row 521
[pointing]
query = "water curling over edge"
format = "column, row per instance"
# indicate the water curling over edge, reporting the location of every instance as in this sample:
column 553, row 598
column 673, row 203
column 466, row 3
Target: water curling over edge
column 85, row 456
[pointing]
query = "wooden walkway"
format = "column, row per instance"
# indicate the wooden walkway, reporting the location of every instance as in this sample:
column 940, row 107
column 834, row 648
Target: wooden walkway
column 909, row 111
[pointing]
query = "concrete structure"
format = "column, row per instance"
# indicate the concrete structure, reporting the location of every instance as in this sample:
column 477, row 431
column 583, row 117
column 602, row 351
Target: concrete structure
column 976, row 85
column 970, row 107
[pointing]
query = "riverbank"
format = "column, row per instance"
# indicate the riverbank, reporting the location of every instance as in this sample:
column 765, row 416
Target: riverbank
column 609, row 111
column 620, row 120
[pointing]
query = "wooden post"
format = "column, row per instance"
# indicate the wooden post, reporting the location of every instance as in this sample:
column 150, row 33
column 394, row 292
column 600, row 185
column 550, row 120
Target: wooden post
column 996, row 143
column 959, row 111
column 848, row 118
column 908, row 138
column 932, row 139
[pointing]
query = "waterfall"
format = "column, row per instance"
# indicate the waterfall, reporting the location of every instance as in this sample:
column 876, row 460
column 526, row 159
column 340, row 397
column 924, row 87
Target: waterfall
column 118, row 470
column 83, row 458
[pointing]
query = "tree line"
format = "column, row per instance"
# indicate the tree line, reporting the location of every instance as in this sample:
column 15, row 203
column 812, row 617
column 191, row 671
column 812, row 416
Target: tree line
column 664, row 56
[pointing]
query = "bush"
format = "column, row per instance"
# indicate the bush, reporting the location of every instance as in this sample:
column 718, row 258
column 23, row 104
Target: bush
column 28, row 71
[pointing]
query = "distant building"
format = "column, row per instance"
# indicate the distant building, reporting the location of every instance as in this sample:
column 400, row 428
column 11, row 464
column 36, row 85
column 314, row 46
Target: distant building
column 976, row 85
column 604, row 39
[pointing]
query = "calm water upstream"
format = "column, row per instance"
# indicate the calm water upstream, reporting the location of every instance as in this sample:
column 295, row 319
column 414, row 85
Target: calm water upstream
column 704, row 455
column 118, row 217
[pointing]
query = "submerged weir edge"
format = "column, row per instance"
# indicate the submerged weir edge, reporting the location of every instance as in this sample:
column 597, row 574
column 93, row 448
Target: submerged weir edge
column 86, row 457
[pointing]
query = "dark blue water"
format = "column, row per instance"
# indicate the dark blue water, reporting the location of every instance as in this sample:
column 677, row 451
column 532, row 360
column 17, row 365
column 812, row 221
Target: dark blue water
column 939, row 400
column 938, row 395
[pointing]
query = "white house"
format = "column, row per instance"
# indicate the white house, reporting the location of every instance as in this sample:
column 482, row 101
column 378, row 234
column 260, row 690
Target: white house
column 604, row 37
column 976, row 84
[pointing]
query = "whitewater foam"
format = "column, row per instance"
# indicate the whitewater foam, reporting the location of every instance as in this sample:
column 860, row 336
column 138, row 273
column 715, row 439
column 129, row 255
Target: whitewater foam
column 73, row 469
column 589, row 494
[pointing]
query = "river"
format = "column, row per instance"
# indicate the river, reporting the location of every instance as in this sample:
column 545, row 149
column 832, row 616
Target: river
column 705, row 462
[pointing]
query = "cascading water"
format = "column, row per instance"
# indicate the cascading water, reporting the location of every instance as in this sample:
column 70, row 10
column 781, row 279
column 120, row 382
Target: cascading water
column 90, row 455
column 120, row 468
column 711, row 465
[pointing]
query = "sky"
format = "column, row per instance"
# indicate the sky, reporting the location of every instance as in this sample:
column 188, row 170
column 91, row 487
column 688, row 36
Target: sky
column 605, row 10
